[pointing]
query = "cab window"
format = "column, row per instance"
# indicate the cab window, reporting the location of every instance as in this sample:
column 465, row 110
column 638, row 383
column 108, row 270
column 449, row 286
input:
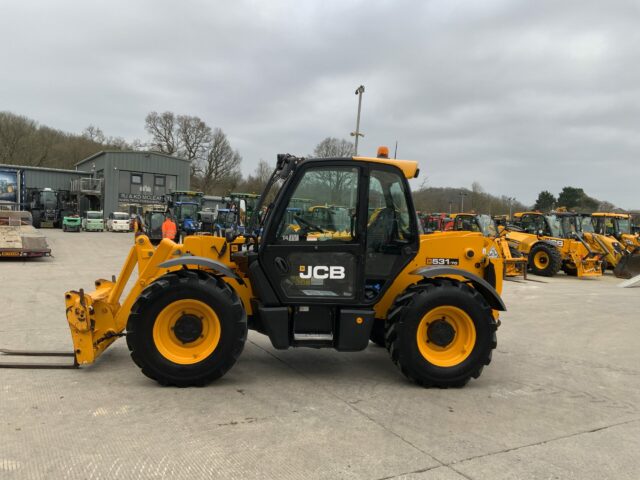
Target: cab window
column 389, row 223
column 322, row 207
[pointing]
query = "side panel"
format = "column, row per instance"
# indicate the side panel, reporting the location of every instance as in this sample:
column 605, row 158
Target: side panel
column 466, row 251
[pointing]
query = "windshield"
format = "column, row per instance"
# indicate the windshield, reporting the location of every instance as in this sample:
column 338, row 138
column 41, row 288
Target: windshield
column 265, row 202
column 568, row 225
column 226, row 218
column 94, row 215
column 624, row 225
column 487, row 225
column 586, row 224
column 554, row 225
column 48, row 196
column 188, row 211
column 120, row 216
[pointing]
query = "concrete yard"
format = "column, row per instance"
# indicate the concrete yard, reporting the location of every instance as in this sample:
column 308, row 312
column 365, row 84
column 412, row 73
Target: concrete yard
column 561, row 398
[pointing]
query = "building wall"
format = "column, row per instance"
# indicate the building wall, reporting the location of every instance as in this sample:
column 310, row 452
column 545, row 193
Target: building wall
column 31, row 178
column 49, row 179
column 133, row 180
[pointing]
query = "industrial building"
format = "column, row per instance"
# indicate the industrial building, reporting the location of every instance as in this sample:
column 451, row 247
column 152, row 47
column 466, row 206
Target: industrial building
column 124, row 181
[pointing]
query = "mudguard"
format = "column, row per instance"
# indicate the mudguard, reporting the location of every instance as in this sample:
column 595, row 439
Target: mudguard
column 486, row 290
column 218, row 267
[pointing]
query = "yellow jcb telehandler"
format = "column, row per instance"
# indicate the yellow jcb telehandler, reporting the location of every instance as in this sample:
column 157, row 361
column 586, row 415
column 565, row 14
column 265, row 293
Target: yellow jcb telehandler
column 186, row 316
column 549, row 247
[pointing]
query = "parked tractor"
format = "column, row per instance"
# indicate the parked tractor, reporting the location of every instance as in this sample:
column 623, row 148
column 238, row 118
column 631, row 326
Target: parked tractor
column 185, row 317
column 184, row 206
column 435, row 222
column 45, row 206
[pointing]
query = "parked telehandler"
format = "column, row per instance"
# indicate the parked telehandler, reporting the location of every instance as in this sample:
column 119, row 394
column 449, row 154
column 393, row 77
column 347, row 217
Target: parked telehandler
column 550, row 246
column 187, row 313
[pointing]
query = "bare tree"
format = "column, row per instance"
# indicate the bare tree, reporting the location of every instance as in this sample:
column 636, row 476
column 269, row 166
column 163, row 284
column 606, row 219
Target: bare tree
column 220, row 164
column 164, row 132
column 335, row 181
column 194, row 137
column 94, row 134
column 333, row 147
column 256, row 181
column 15, row 133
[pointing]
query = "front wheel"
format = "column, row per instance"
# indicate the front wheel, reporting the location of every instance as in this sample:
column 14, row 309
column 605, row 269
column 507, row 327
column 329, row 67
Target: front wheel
column 544, row 260
column 186, row 329
column 441, row 333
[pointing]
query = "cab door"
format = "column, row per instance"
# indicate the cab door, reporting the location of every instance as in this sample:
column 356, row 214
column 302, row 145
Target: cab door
column 308, row 261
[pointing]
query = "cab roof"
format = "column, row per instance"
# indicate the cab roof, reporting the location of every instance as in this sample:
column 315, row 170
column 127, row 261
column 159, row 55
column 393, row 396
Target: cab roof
column 605, row 214
column 408, row 167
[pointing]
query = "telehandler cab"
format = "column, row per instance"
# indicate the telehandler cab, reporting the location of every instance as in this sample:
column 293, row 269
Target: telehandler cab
column 187, row 313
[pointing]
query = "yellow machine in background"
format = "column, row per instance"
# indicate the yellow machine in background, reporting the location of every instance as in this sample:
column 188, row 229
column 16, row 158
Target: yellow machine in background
column 515, row 264
column 549, row 247
column 617, row 225
column 432, row 300
column 615, row 229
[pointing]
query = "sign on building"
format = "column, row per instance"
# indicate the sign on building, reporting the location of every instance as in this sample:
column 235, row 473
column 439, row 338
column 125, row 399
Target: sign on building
column 140, row 198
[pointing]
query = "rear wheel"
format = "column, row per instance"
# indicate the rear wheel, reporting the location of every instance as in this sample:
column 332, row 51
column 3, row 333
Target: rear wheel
column 377, row 333
column 35, row 216
column 570, row 269
column 441, row 333
column 544, row 260
column 186, row 329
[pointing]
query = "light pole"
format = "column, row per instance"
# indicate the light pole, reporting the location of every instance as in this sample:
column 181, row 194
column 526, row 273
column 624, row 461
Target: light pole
column 450, row 203
column 462, row 195
column 511, row 199
column 359, row 92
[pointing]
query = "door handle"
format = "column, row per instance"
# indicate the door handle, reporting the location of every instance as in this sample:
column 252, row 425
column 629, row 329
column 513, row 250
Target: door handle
column 282, row 264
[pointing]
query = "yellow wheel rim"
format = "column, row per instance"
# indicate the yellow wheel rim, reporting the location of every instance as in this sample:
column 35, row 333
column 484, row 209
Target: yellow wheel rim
column 458, row 328
column 541, row 260
column 186, row 331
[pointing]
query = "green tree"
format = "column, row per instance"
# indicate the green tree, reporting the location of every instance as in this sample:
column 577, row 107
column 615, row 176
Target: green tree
column 545, row 202
column 571, row 197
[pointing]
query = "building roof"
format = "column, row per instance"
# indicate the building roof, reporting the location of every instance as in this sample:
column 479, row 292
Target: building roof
column 42, row 169
column 143, row 152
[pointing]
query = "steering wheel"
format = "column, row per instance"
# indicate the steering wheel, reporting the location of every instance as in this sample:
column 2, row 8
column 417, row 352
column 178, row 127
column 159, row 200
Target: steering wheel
column 313, row 227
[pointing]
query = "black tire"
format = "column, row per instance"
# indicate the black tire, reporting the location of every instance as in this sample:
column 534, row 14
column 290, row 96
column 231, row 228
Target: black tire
column 185, row 285
column 35, row 216
column 402, row 328
column 377, row 333
column 551, row 266
column 569, row 269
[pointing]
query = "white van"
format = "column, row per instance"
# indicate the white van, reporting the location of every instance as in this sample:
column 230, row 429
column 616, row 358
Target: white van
column 118, row 222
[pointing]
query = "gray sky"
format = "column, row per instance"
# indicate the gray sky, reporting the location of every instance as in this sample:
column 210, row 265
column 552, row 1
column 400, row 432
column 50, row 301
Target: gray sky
column 517, row 95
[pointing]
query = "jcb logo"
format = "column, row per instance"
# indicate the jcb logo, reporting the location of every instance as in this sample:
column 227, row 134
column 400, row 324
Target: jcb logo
column 321, row 272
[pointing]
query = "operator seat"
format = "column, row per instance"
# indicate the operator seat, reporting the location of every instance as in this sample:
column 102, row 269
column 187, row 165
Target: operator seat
column 380, row 230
